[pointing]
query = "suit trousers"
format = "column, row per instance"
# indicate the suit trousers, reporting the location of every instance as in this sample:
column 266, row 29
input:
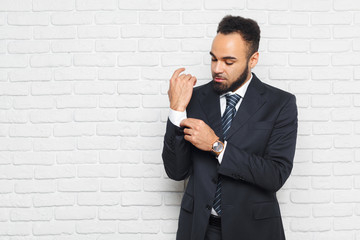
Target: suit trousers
column 213, row 233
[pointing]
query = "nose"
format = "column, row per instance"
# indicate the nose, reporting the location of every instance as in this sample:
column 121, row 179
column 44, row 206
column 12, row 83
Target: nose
column 219, row 67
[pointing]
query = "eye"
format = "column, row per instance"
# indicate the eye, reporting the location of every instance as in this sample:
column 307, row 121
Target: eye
column 229, row 63
column 213, row 59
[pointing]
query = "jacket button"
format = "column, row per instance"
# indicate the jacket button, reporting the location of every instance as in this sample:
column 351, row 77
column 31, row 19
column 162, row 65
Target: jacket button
column 208, row 207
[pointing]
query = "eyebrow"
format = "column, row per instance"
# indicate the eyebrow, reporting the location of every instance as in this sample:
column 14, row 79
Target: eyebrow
column 227, row 57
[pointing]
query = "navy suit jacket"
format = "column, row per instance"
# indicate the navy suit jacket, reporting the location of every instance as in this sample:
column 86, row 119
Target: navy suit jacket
column 256, row 163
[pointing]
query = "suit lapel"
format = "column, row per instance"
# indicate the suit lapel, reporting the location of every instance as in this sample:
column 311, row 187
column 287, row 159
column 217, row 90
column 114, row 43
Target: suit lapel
column 252, row 102
column 210, row 104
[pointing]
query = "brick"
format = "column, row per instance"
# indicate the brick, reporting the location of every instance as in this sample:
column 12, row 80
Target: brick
column 306, row 196
column 314, row 115
column 57, row 32
column 78, row 185
column 40, row 214
column 333, row 155
column 126, row 17
column 188, row 31
column 40, row 131
column 338, row 210
column 196, row 45
column 141, row 199
column 137, row 59
column 2, row 50
column 140, row 171
column 345, row 114
column 74, row 130
column 98, row 171
column 158, row 45
column 330, row 101
column 98, row 199
column 29, row 75
column 54, row 172
column 276, row 32
column 292, row 18
column 95, row 60
column 71, row 18
column 297, row 182
column 346, row 169
column 53, row 228
column 163, row 18
column 346, row 223
column 155, row 101
column 117, row 129
column 16, row 5
column 75, row 213
column 163, row 185
column 141, row 31
column 331, row 18
column 333, row 235
column 90, row 5
column 332, row 129
column 289, row 73
column 303, row 155
column 18, row 144
column 152, row 130
column 41, row 89
column 311, row 225
column 116, row 213
column 346, row 87
column 338, row 73
column 51, row 116
column 14, row 89
column 53, row 200
column 94, row 88
column 346, row 32
column 208, row 17
column 268, row 5
column 346, row 196
column 67, row 46
column 312, row 169
column 305, row 129
column 121, row 185
column 330, row 46
column 346, row 59
column 34, row 102
column 320, row 59
column 99, row 143
column 121, row 101
column 51, row 60
column 139, row 143
column 115, row 46
column 288, row 46
column 119, row 74
column 82, row 157
column 141, row 87
column 28, row 19
column 311, row 32
column 97, row 32
column 164, row 213
column 64, row 144
column 52, row 5
column 96, row 227
column 181, row 59
column 15, row 229
column 295, row 210
column 113, row 157
column 15, row 201
column 308, row 5
column 181, row 5
column 35, row 186
column 347, row 5
column 78, row 73
column 15, row 32
column 331, row 183
column 16, row 172
column 75, row 102
column 13, row 61
column 134, row 236
column 140, row 5
column 227, row 4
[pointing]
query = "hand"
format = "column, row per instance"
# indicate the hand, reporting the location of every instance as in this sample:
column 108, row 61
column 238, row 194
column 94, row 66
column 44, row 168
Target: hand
column 198, row 133
column 180, row 90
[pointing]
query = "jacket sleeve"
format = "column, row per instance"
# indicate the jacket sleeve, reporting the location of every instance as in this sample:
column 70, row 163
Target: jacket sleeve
column 176, row 153
column 271, row 170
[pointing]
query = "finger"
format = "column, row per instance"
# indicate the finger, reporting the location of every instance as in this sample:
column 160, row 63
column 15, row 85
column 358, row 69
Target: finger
column 176, row 73
column 188, row 122
column 193, row 80
column 188, row 131
column 187, row 138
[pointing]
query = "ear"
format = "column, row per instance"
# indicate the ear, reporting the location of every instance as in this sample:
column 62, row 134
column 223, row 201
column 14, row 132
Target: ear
column 254, row 60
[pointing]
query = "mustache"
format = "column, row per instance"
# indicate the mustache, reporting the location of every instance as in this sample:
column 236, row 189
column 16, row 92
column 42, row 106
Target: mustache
column 219, row 76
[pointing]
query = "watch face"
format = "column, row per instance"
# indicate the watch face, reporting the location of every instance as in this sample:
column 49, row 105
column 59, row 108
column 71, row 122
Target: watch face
column 217, row 147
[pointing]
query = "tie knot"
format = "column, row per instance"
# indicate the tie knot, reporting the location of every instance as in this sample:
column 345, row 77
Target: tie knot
column 232, row 100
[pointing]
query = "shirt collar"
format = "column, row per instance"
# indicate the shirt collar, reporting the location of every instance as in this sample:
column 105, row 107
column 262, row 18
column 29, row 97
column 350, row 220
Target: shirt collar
column 240, row 91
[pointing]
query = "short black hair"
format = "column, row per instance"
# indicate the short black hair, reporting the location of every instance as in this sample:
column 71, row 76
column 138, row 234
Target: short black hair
column 246, row 27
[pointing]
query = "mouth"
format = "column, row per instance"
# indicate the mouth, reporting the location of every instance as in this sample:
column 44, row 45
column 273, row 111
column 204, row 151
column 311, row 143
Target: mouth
column 218, row 79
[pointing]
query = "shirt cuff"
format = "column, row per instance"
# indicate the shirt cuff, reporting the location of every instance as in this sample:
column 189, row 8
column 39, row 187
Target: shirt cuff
column 176, row 117
column 221, row 155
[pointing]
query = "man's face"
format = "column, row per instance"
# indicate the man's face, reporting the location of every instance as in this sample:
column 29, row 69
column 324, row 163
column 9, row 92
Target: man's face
column 229, row 62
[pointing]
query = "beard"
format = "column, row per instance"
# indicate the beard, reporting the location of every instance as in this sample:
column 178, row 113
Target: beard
column 221, row 88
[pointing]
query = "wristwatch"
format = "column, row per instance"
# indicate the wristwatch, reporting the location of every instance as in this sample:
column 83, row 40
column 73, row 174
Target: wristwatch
column 217, row 147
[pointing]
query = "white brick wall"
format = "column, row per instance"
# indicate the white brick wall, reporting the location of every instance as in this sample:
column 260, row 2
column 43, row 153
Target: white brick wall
column 83, row 107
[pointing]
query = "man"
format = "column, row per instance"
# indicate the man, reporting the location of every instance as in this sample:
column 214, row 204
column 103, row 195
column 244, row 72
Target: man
column 234, row 138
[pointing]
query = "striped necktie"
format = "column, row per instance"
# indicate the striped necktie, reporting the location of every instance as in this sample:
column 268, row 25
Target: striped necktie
column 231, row 101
